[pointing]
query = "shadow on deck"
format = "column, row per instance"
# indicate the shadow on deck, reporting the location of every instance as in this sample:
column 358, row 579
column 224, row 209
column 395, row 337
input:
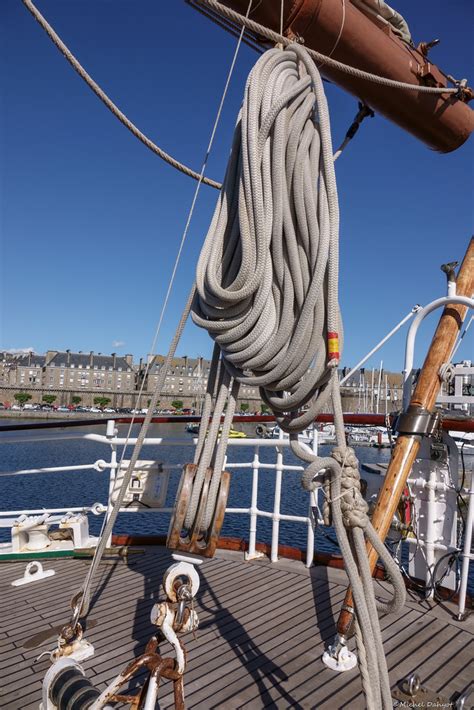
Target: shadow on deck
column 263, row 628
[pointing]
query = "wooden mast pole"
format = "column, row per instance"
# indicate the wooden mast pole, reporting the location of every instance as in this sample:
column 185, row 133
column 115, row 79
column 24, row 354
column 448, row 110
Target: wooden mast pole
column 407, row 445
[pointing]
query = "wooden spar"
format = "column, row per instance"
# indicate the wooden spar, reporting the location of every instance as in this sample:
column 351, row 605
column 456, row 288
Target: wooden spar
column 407, row 445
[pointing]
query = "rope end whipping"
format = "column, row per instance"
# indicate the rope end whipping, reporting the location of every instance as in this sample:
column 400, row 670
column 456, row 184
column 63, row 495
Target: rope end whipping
column 333, row 348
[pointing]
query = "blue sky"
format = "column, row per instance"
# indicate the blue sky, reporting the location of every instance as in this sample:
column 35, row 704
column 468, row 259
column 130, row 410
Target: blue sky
column 91, row 220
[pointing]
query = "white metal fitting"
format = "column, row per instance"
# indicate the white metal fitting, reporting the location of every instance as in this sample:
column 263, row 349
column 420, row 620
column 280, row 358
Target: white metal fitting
column 34, row 572
column 180, row 569
column 338, row 657
column 60, row 665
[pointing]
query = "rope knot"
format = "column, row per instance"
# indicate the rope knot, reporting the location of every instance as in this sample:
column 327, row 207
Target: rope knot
column 354, row 508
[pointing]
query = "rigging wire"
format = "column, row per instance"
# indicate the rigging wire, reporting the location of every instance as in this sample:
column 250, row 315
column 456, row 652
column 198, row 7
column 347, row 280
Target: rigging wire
column 245, row 22
column 98, row 91
column 341, row 29
column 82, row 607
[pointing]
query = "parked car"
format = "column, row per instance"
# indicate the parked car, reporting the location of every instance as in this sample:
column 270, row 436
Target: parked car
column 95, row 410
column 62, row 409
column 16, row 407
column 109, row 410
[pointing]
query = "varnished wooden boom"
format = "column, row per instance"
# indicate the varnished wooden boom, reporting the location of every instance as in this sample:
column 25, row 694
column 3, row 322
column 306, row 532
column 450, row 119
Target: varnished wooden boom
column 407, row 445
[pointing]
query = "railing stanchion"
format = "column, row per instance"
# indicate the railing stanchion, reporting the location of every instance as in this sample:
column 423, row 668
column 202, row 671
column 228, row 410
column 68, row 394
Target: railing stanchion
column 276, row 506
column 110, row 434
column 252, row 552
column 466, row 553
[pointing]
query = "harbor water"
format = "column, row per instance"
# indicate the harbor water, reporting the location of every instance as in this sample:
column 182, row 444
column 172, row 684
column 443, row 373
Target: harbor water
column 83, row 488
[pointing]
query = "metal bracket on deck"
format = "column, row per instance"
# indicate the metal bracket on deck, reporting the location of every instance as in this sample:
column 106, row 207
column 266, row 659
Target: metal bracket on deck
column 338, row 657
column 410, row 693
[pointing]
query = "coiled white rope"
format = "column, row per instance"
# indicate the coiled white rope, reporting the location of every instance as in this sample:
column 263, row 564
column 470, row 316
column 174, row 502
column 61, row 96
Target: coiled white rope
column 267, row 292
column 267, row 276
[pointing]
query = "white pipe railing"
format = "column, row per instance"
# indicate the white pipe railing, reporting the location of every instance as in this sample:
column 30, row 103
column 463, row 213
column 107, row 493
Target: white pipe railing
column 377, row 347
column 467, row 555
column 411, row 337
column 112, row 440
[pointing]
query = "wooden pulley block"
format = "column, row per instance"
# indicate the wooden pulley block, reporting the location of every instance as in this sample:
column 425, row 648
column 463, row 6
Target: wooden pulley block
column 195, row 540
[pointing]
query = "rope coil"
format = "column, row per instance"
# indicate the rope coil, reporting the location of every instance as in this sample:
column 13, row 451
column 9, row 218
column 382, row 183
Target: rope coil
column 267, row 276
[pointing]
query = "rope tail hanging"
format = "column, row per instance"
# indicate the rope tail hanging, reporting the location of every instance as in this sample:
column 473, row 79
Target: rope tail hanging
column 267, row 292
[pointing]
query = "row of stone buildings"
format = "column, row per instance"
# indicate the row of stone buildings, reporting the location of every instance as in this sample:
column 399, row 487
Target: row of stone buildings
column 70, row 375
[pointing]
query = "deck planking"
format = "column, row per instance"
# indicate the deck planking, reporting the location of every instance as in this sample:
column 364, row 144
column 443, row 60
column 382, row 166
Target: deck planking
column 265, row 624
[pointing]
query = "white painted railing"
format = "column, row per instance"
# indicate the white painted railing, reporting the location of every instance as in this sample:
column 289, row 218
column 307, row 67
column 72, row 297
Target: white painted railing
column 254, row 465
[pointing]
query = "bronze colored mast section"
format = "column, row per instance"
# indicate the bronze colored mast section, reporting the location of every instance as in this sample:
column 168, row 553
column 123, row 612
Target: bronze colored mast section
column 424, row 397
column 355, row 36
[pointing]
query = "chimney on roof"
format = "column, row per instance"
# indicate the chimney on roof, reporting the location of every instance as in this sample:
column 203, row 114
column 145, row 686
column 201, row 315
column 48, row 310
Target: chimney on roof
column 114, row 360
column 68, row 358
column 129, row 359
column 50, row 355
column 91, row 358
column 29, row 357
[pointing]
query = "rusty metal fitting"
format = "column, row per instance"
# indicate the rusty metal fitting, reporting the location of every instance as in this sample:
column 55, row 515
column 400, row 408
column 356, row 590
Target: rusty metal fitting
column 195, row 540
column 158, row 613
column 424, row 47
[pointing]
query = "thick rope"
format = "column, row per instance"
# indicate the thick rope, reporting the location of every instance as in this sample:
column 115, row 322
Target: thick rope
column 267, row 292
column 83, row 607
column 276, row 38
column 352, row 525
column 98, row 91
column 267, row 273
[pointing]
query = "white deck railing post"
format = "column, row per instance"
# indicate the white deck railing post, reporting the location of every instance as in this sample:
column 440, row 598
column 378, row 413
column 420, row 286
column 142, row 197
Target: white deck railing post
column 466, row 553
column 276, row 506
column 110, row 434
column 252, row 552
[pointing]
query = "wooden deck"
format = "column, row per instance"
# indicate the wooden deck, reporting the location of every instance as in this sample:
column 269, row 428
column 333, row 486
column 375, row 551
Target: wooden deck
column 262, row 631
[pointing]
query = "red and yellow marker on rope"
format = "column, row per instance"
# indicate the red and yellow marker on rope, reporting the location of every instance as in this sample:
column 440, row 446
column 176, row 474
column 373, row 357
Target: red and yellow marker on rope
column 333, row 345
